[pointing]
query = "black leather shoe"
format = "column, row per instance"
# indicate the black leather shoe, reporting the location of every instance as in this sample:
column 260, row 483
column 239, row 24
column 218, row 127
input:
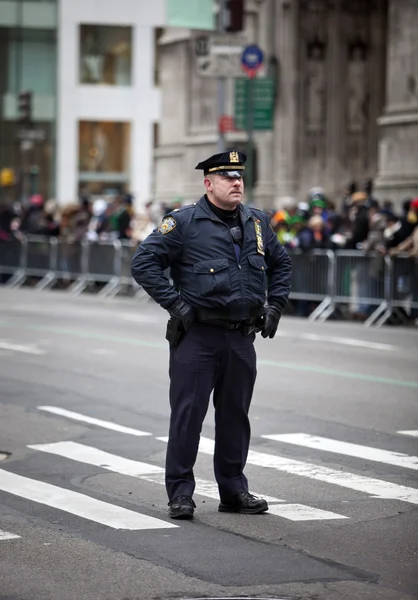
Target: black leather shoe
column 181, row 507
column 245, row 503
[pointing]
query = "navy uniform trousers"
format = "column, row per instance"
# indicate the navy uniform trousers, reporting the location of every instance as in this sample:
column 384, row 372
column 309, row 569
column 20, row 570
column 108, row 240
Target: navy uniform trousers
column 210, row 358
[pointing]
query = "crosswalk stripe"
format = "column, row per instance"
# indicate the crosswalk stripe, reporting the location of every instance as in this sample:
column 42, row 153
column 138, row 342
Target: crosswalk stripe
column 125, row 466
column 290, row 511
column 338, row 447
column 376, row 487
column 62, row 412
column 410, row 432
column 78, row 504
column 5, row 535
column 300, row 512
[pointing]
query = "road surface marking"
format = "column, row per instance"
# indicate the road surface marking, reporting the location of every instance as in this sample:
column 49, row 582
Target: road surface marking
column 376, row 487
column 328, row 445
column 289, row 513
column 77, row 504
column 20, row 348
column 103, row 352
column 91, row 420
column 276, row 364
column 5, row 535
column 314, row 337
column 141, row 318
column 410, row 432
column 300, row 512
column 125, row 466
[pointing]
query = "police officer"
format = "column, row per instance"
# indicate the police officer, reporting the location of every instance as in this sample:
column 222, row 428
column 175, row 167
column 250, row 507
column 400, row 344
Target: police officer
column 231, row 279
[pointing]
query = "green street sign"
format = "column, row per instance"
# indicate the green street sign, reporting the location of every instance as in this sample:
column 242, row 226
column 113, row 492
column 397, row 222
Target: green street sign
column 263, row 102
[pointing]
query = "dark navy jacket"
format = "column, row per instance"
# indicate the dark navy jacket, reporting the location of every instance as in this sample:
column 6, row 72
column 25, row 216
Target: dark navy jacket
column 204, row 268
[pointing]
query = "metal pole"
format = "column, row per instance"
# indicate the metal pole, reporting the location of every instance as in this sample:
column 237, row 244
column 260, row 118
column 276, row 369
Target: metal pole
column 250, row 144
column 222, row 81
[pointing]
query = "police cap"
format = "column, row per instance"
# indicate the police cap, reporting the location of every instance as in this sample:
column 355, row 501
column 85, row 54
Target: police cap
column 229, row 164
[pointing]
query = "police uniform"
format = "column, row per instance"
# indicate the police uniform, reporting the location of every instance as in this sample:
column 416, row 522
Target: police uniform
column 225, row 267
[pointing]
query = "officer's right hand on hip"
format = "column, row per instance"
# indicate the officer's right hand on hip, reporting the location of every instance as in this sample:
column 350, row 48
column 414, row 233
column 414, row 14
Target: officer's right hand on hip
column 271, row 322
column 182, row 311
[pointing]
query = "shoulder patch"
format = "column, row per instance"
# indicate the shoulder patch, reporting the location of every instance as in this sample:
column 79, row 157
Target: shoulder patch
column 167, row 225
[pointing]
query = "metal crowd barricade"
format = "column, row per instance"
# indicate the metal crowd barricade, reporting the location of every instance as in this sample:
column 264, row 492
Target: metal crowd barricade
column 12, row 260
column 359, row 281
column 329, row 278
column 101, row 263
column 38, row 260
column 70, row 265
column 401, row 290
column 312, row 278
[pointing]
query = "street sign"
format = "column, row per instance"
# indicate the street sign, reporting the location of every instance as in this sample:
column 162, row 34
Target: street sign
column 218, row 55
column 226, row 123
column 263, row 103
column 31, row 135
column 252, row 59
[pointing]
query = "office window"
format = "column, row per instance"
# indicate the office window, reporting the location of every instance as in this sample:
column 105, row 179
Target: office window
column 104, row 152
column 105, row 54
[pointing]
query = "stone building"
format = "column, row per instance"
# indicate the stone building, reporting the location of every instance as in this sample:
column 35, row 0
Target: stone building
column 346, row 104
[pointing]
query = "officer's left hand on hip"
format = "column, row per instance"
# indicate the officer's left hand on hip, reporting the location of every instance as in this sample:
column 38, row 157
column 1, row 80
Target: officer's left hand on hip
column 271, row 324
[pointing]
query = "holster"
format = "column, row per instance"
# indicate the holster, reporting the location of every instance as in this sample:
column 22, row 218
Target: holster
column 175, row 331
column 255, row 326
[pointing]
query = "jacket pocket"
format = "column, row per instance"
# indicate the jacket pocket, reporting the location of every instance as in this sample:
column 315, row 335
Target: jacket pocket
column 213, row 277
column 257, row 274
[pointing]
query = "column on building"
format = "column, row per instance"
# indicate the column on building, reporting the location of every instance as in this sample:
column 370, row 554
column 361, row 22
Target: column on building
column 169, row 154
column 284, row 152
column 398, row 144
column 263, row 140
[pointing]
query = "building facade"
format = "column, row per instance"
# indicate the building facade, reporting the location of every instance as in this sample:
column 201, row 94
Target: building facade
column 28, row 61
column 108, row 99
column 89, row 66
column 346, row 76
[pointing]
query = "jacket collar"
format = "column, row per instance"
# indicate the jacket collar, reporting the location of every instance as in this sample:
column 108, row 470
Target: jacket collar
column 203, row 211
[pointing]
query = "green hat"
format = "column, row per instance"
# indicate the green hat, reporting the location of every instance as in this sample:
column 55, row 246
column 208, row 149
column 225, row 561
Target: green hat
column 296, row 219
column 318, row 201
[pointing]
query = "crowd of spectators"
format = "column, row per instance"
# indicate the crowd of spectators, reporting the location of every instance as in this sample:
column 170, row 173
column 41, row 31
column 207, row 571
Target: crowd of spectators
column 359, row 221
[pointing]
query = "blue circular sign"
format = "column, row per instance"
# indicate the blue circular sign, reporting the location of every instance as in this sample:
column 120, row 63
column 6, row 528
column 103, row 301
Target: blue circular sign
column 252, row 57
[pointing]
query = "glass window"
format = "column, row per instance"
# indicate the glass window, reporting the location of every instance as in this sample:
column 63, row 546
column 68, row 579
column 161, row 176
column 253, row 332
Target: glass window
column 26, row 53
column 105, row 54
column 104, row 152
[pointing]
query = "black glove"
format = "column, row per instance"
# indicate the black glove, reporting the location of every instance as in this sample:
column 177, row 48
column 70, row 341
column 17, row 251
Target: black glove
column 183, row 312
column 271, row 322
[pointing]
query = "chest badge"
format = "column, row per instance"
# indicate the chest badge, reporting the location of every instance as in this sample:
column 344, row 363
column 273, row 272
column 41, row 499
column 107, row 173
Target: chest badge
column 167, row 225
column 259, row 236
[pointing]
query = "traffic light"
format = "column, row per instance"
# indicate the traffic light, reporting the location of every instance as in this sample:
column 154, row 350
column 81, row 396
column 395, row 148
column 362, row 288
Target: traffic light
column 235, row 15
column 25, row 108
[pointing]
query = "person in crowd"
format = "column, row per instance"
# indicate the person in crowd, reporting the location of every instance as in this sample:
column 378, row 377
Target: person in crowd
column 347, row 198
column 313, row 236
column 359, row 216
column 99, row 222
column 225, row 263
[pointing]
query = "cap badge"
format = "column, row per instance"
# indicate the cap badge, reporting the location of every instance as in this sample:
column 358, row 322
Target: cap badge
column 233, row 157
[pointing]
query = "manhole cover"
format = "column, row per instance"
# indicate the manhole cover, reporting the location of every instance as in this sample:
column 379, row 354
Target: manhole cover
column 4, row 455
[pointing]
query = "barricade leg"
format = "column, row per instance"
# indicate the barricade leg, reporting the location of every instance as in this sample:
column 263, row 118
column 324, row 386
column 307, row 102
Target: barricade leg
column 382, row 308
column 323, row 311
column 47, row 282
column 111, row 288
column 17, row 279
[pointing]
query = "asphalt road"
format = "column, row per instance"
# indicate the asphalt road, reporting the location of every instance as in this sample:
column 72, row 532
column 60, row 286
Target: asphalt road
column 83, row 415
